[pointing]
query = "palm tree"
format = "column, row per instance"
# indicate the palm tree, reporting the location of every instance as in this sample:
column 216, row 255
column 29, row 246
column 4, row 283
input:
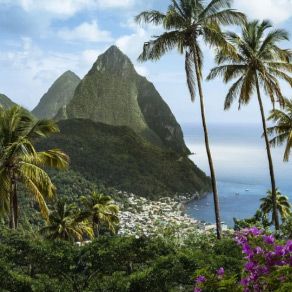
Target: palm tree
column 188, row 24
column 100, row 209
column 283, row 205
column 282, row 131
column 21, row 163
column 65, row 224
column 256, row 61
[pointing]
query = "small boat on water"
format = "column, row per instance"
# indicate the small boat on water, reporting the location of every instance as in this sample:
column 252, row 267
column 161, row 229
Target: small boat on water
column 247, row 190
column 237, row 194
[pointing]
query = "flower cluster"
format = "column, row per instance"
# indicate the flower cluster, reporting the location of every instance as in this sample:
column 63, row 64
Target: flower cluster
column 268, row 263
column 264, row 256
column 200, row 280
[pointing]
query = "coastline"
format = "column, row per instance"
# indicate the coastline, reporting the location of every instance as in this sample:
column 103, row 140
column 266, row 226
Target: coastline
column 143, row 217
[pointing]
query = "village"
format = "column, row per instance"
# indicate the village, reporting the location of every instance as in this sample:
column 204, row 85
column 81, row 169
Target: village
column 142, row 217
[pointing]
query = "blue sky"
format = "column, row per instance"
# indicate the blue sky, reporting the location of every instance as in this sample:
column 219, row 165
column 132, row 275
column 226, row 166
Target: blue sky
column 41, row 39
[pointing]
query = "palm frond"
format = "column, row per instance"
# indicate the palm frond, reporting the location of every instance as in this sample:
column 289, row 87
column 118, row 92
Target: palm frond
column 156, row 48
column 54, row 158
column 190, row 72
column 43, row 129
column 215, row 6
column 227, row 17
column 40, row 179
column 233, row 93
column 31, row 185
column 151, row 16
column 274, row 36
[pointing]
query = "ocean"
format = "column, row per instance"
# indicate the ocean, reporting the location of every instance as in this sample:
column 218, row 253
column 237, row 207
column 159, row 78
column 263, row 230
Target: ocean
column 241, row 166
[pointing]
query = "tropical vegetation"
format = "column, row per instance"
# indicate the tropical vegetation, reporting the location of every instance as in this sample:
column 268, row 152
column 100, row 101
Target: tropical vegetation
column 65, row 223
column 281, row 132
column 283, row 205
column 117, row 157
column 21, row 163
column 256, row 61
column 100, row 210
column 189, row 24
column 80, row 247
column 267, row 265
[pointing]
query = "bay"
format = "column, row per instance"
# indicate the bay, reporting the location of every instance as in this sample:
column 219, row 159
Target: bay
column 242, row 169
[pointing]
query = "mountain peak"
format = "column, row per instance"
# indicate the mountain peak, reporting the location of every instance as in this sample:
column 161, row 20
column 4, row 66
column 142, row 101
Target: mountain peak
column 114, row 93
column 114, row 61
column 58, row 95
column 113, row 50
column 69, row 72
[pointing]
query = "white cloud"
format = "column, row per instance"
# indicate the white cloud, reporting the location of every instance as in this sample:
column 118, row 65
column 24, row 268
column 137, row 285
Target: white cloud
column 276, row 10
column 90, row 56
column 68, row 8
column 115, row 3
column 33, row 70
column 132, row 44
column 87, row 31
column 59, row 7
column 142, row 70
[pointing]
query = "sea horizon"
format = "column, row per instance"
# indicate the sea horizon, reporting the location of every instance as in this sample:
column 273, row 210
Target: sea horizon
column 241, row 166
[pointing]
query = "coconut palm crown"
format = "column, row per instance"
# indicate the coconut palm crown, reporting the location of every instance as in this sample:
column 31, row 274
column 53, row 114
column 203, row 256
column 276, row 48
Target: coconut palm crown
column 283, row 205
column 21, row 163
column 65, row 224
column 188, row 24
column 282, row 131
column 256, row 62
column 100, row 209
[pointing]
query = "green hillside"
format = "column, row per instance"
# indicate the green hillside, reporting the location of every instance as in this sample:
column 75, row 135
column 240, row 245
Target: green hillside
column 117, row 157
column 5, row 101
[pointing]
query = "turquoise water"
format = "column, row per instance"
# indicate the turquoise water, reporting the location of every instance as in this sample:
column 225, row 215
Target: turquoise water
column 242, row 170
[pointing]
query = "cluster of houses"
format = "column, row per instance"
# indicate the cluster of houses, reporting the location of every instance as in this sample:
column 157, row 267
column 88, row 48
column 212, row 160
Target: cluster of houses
column 142, row 217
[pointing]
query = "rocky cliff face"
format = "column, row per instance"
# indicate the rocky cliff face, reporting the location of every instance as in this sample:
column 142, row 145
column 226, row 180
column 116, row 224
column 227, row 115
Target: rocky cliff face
column 59, row 95
column 113, row 93
column 5, row 101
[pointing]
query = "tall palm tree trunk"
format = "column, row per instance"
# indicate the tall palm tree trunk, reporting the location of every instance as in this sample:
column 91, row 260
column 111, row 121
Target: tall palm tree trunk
column 15, row 204
column 12, row 216
column 210, row 160
column 11, row 211
column 271, row 167
column 95, row 227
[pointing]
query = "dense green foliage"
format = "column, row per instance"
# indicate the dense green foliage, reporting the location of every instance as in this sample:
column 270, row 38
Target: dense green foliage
column 117, row 157
column 58, row 95
column 29, row 263
column 65, row 223
column 20, row 163
column 56, row 257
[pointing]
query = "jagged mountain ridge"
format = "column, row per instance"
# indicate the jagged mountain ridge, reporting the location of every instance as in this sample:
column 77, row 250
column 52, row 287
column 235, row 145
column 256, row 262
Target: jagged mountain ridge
column 58, row 95
column 115, row 94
